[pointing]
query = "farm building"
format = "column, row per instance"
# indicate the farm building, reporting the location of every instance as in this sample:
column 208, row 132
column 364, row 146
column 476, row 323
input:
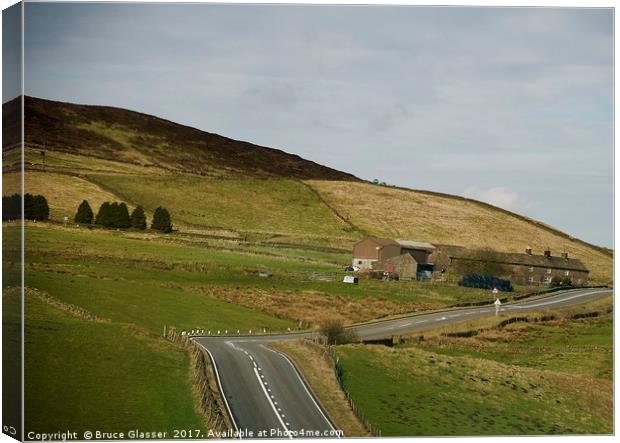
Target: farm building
column 418, row 260
column 521, row 268
column 406, row 258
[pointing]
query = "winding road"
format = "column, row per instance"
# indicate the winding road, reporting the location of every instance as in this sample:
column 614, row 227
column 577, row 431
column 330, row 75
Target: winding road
column 267, row 398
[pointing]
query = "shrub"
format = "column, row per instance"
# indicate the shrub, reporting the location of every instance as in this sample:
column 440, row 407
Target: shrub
column 138, row 219
column 336, row 334
column 84, row 214
column 161, row 220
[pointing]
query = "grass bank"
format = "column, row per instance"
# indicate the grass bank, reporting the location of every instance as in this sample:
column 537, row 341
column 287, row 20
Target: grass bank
column 318, row 371
column 527, row 379
column 97, row 375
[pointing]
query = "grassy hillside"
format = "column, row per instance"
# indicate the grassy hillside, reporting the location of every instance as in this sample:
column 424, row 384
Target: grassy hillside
column 436, row 218
column 271, row 209
column 218, row 186
column 547, row 378
column 240, row 209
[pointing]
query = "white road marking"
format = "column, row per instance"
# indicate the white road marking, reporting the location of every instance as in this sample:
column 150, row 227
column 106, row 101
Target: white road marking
column 552, row 302
column 288, row 433
column 305, row 387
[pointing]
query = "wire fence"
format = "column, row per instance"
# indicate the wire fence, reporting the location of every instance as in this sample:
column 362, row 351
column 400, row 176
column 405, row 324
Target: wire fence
column 330, row 352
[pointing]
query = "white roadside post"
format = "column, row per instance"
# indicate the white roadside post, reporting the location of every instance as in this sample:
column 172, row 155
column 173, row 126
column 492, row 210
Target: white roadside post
column 497, row 305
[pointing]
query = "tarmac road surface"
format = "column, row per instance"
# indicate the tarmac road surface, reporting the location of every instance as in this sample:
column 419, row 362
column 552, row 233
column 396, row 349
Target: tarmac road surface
column 266, row 396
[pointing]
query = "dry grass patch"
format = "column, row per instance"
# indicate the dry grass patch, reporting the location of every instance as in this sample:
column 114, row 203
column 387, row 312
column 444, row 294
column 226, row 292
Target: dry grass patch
column 317, row 369
column 434, row 218
column 312, row 307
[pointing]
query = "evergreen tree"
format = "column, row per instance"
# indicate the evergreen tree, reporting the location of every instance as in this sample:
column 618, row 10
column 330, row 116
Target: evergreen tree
column 41, row 208
column 161, row 220
column 36, row 207
column 103, row 215
column 122, row 216
column 84, row 214
column 138, row 219
column 113, row 215
column 28, row 207
column 11, row 207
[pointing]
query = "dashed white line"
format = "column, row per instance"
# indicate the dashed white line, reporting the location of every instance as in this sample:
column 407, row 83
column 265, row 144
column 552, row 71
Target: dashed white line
column 288, row 433
column 305, row 387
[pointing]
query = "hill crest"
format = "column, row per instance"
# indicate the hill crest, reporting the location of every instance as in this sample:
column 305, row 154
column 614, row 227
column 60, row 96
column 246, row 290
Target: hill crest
column 119, row 134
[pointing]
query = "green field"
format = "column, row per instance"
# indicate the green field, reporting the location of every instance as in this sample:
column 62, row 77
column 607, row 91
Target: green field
column 536, row 379
column 84, row 375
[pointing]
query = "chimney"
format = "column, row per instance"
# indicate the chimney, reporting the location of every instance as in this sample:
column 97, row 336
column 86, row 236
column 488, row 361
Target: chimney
column 565, row 255
column 547, row 252
column 528, row 250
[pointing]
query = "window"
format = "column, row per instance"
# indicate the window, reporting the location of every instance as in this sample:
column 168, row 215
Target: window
column 530, row 279
column 359, row 262
column 549, row 271
column 566, row 273
column 547, row 279
column 531, row 269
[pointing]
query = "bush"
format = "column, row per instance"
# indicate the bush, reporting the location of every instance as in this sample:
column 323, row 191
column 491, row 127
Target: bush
column 161, row 220
column 138, row 219
column 84, row 214
column 336, row 334
column 558, row 282
column 485, row 282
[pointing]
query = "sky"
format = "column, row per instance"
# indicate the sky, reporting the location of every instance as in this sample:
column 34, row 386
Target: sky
column 512, row 106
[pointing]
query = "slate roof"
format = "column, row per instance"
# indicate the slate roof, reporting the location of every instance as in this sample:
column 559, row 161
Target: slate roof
column 540, row 261
column 415, row 245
